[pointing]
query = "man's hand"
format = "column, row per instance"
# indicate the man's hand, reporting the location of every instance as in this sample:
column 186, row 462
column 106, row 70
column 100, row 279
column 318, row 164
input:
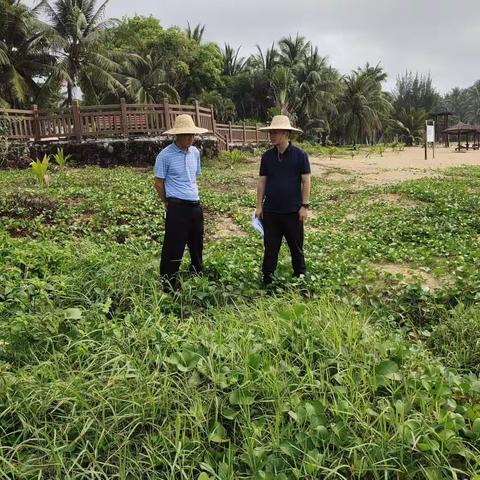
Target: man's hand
column 262, row 181
column 160, row 188
column 303, row 214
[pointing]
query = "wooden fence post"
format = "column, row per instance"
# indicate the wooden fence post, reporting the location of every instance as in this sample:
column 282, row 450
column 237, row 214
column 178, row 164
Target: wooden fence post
column 123, row 118
column 77, row 124
column 256, row 133
column 166, row 113
column 214, row 124
column 230, row 131
column 244, row 133
column 197, row 114
column 36, row 124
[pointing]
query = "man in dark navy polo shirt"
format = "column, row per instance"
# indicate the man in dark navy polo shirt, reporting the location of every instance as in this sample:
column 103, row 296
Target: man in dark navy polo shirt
column 176, row 169
column 283, row 193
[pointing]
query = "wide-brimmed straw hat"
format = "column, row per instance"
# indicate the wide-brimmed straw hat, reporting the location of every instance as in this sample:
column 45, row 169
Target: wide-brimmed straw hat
column 184, row 124
column 281, row 122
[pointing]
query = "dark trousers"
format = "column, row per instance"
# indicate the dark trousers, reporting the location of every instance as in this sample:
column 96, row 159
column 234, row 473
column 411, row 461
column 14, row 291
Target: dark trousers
column 183, row 226
column 276, row 226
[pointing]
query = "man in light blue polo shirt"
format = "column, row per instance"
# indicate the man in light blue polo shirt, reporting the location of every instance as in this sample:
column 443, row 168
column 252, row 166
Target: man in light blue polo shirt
column 176, row 170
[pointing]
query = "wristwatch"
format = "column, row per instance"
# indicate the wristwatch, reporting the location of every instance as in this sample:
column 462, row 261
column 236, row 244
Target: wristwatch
column 305, row 205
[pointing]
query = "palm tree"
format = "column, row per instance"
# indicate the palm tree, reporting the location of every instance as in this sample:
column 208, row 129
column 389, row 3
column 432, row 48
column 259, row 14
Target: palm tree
column 195, row 34
column 232, row 65
column 146, row 79
column 409, row 123
column 457, row 102
column 24, row 54
column 318, row 86
column 473, row 109
column 284, row 88
column 293, row 50
column 77, row 36
column 362, row 105
column 376, row 73
column 264, row 61
column 251, row 90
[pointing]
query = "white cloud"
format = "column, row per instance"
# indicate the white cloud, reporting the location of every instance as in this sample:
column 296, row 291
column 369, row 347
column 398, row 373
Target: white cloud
column 436, row 36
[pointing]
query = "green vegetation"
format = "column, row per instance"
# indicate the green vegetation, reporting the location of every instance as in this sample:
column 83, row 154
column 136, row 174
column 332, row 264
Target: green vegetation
column 39, row 169
column 24, row 55
column 61, row 159
column 233, row 157
column 367, row 369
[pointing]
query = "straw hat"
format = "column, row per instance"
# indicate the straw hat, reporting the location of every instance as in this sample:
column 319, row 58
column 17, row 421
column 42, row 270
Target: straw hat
column 184, row 124
column 281, row 122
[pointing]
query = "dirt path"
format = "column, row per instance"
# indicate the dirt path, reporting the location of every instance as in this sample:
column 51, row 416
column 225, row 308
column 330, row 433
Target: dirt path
column 392, row 167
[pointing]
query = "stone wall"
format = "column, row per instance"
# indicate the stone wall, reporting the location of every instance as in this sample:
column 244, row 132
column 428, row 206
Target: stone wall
column 138, row 152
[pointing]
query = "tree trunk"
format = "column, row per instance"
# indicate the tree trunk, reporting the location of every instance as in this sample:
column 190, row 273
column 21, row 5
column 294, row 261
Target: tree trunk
column 69, row 94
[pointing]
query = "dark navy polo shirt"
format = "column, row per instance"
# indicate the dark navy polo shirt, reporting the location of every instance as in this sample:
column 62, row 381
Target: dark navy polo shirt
column 283, row 190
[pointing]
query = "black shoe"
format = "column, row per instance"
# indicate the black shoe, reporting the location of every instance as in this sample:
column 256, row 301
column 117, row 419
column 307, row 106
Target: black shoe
column 171, row 285
column 196, row 272
column 267, row 280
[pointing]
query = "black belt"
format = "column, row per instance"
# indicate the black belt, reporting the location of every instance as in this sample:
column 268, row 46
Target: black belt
column 179, row 201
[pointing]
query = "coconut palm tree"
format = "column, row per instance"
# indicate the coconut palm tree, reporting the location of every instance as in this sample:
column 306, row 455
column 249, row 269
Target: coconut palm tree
column 196, row 33
column 77, row 36
column 24, row 54
column 376, row 73
column 264, row 61
column 146, row 80
column 457, row 102
column 232, row 65
column 409, row 124
column 250, row 89
column 284, row 87
column 318, row 85
column 293, row 50
column 362, row 105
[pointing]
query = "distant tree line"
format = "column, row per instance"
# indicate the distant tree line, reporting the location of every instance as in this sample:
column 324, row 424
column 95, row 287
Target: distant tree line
column 60, row 50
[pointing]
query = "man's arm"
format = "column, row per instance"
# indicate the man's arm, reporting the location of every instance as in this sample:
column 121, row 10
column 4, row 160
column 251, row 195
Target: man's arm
column 160, row 188
column 262, row 180
column 306, row 186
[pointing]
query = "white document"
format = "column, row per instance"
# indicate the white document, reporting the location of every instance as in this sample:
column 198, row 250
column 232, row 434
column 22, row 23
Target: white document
column 257, row 224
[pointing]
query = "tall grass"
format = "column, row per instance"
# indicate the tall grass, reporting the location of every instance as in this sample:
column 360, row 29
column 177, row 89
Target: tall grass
column 103, row 375
column 117, row 387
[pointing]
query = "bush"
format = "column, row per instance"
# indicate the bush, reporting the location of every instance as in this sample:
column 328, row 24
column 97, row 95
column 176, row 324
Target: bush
column 233, row 157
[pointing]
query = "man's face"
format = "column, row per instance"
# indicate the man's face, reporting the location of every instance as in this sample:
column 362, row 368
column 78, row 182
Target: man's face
column 278, row 137
column 184, row 141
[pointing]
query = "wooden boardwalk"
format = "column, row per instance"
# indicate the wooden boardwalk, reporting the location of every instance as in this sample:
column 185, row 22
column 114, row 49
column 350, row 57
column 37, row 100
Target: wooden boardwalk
column 125, row 120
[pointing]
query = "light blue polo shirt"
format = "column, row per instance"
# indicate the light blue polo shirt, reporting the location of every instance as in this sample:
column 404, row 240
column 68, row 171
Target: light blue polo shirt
column 179, row 171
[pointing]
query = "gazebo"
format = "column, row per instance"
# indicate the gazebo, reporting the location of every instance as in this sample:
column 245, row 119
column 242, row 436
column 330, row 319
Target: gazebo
column 463, row 129
column 476, row 138
column 440, row 117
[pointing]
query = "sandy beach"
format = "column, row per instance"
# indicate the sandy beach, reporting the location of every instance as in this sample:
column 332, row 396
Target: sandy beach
column 392, row 167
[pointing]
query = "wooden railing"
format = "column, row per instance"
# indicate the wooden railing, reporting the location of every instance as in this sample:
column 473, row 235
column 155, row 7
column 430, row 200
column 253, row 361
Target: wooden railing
column 242, row 134
column 124, row 120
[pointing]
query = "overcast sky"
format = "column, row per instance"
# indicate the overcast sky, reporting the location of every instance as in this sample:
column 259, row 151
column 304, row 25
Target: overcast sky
column 440, row 37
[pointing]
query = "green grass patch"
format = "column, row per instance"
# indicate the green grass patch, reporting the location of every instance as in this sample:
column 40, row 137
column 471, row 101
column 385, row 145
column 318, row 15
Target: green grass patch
column 368, row 368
